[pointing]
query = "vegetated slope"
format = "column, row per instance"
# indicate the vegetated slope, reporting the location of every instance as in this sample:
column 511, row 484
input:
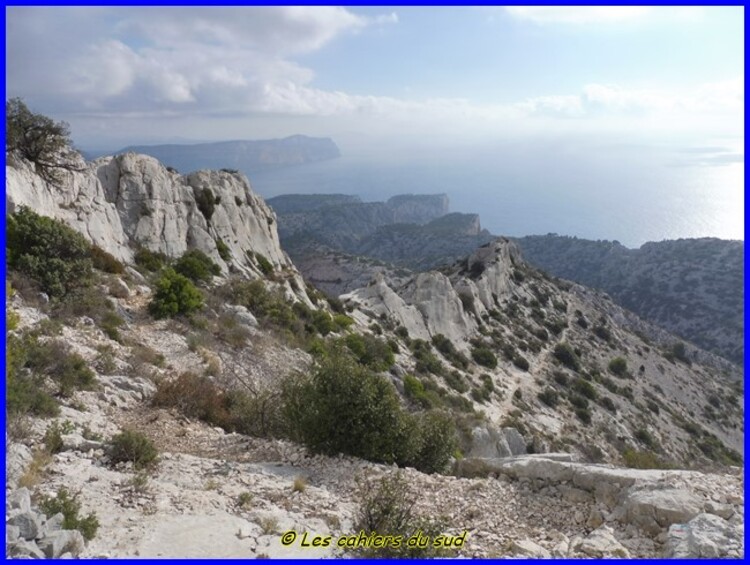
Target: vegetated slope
column 245, row 155
column 558, row 362
column 691, row 287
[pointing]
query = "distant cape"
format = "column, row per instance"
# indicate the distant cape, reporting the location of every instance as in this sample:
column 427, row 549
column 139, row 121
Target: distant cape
column 244, row 155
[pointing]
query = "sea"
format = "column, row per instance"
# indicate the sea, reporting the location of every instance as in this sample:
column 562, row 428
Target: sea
column 626, row 193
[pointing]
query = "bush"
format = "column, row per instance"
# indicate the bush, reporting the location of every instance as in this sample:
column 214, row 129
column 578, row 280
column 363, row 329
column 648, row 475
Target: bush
column 644, row 460
column 564, row 353
column 387, row 508
column 223, row 250
column 645, row 437
column 69, row 506
column 484, row 357
column 53, row 359
column 521, row 362
column 195, row 397
column 370, row 351
column 549, row 397
column 150, row 260
column 426, row 360
column 583, row 415
column 456, row 381
column 415, row 391
column 618, row 366
column 134, row 447
column 48, row 251
column 602, row 333
column 342, row 321
column 265, row 266
column 585, row 388
column 435, row 443
column 206, row 202
column 24, row 391
column 197, row 266
column 608, row 403
column 446, row 347
column 345, row 408
column 175, row 294
column 106, row 262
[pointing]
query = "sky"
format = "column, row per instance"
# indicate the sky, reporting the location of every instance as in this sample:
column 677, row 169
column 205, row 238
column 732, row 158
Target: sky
column 404, row 75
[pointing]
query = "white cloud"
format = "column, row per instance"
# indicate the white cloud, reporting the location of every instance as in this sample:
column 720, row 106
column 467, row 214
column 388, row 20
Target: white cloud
column 577, row 14
column 599, row 100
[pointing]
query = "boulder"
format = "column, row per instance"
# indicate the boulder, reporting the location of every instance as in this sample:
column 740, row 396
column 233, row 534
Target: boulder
column 602, row 543
column 528, row 548
column 655, row 510
column 54, row 544
column 515, row 441
column 243, row 315
column 29, row 525
column 119, row 289
column 17, row 458
column 19, row 499
column 23, row 548
column 706, row 535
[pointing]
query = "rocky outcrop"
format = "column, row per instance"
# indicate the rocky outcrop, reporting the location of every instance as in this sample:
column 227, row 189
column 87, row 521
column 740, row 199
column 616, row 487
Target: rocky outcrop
column 659, row 503
column 129, row 201
column 448, row 304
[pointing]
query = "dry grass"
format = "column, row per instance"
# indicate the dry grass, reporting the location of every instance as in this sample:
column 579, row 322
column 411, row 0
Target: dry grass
column 36, row 469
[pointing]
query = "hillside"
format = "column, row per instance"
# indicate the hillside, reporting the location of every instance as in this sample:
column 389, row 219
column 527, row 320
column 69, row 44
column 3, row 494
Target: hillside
column 171, row 371
column 244, row 155
column 691, row 287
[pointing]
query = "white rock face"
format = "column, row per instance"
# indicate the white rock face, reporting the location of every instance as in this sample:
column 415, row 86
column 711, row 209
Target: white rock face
column 431, row 303
column 130, row 200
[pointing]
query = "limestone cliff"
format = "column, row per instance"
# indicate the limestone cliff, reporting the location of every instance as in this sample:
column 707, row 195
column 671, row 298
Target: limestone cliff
column 128, row 201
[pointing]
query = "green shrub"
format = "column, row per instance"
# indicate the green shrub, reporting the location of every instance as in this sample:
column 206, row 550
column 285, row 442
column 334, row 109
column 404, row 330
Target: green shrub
column 134, row 447
column 150, row 260
column 578, row 401
column 618, row 366
column 644, row 460
column 387, row 508
column 549, row 397
column 53, row 359
column 521, row 362
column 223, row 250
column 197, row 266
column 435, row 443
column 322, row 321
column 446, row 347
column 456, row 381
column 585, row 388
column 343, row 407
column 426, row 360
column 608, row 403
column 564, row 353
column 342, row 321
column 48, row 251
column 106, row 262
column 679, row 352
column 370, row 351
column 206, row 202
column 265, row 266
column 174, row 294
column 583, row 415
column 483, row 356
column 415, row 391
column 602, row 333
column 69, row 506
column 645, row 437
